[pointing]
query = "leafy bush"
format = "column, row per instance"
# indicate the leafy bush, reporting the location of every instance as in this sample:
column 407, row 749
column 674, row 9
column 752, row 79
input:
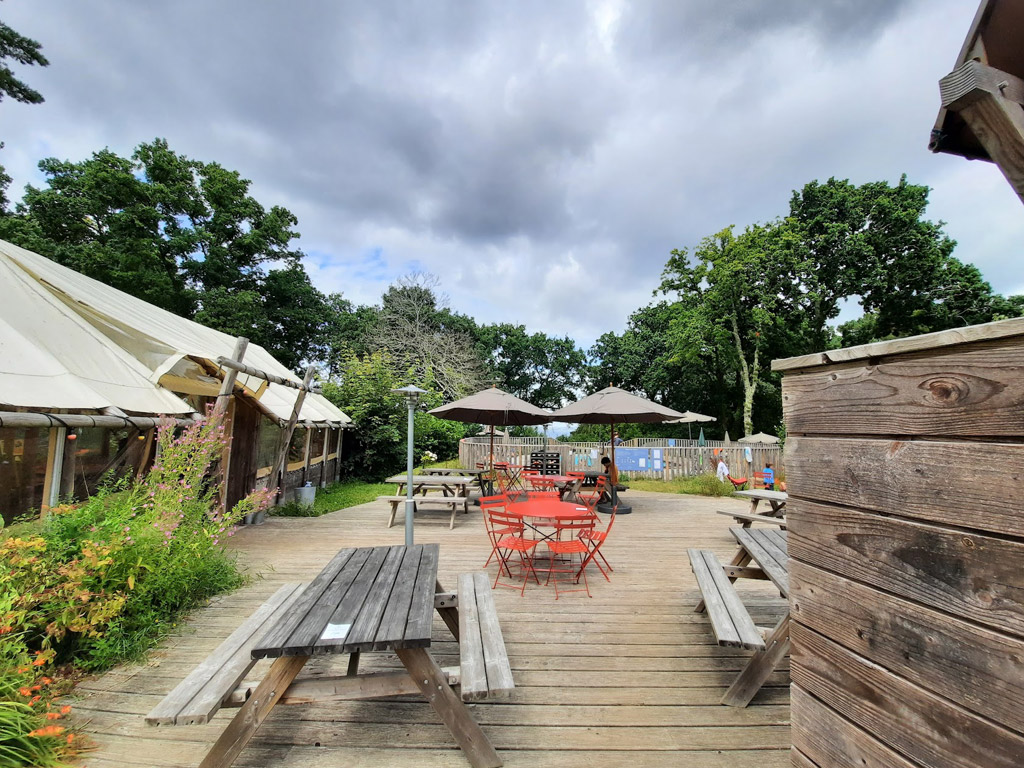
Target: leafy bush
column 334, row 497
column 101, row 582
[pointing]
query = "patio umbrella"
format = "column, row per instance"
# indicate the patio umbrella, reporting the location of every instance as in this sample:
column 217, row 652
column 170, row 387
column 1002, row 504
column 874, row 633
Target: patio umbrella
column 760, row 437
column 689, row 417
column 493, row 407
column 615, row 406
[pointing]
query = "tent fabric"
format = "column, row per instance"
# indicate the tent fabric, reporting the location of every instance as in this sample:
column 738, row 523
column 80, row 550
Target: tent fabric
column 614, row 405
column 49, row 358
column 155, row 339
column 689, row 417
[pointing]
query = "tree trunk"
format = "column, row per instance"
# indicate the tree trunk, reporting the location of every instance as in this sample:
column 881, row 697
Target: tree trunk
column 748, row 377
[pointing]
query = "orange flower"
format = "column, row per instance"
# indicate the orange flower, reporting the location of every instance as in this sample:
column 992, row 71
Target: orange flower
column 53, row 715
column 40, row 660
column 33, row 700
column 5, row 630
column 45, row 680
column 25, row 692
column 65, row 709
column 50, row 730
column 71, row 737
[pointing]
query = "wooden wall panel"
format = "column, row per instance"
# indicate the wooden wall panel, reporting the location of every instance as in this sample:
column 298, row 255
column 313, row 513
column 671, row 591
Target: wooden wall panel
column 923, row 479
column 835, row 742
column 975, row 667
column 971, row 575
column 921, row 725
column 960, row 392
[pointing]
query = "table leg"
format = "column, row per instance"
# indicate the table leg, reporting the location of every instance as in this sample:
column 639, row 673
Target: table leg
column 449, row 613
column 434, row 687
column 742, row 557
column 760, row 666
column 252, row 714
column 753, row 506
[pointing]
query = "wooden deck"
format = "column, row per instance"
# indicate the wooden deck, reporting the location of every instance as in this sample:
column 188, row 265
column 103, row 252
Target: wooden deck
column 629, row 677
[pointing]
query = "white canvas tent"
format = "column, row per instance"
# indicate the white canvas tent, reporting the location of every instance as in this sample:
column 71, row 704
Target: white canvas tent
column 78, row 318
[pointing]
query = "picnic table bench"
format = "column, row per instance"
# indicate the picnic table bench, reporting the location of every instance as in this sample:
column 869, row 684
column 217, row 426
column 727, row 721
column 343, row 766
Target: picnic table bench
column 368, row 599
column 422, row 503
column 746, row 519
column 730, row 619
column 448, row 492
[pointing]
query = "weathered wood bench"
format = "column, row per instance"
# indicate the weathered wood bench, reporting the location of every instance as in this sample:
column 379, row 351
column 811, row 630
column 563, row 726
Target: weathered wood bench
column 423, row 503
column 484, row 667
column 745, row 518
column 730, row 619
column 215, row 682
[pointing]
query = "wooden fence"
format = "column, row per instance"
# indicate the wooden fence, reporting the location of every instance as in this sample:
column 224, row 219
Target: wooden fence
column 673, row 462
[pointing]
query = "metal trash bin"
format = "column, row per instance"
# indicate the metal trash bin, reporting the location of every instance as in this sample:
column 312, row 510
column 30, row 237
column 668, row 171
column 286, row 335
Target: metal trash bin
column 306, row 495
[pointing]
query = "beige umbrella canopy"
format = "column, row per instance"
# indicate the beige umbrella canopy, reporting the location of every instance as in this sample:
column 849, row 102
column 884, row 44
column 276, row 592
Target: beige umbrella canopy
column 689, row 417
column 615, row 406
column 493, row 407
column 760, row 437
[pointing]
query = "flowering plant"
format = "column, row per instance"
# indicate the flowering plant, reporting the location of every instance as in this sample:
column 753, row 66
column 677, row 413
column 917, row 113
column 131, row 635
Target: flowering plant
column 428, row 457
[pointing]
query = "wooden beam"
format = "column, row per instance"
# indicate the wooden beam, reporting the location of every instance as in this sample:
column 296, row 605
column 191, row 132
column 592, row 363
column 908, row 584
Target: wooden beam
column 227, row 386
column 990, row 101
column 286, row 434
column 238, row 367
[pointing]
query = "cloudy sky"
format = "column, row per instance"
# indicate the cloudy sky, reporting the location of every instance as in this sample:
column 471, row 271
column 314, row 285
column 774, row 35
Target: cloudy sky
column 542, row 158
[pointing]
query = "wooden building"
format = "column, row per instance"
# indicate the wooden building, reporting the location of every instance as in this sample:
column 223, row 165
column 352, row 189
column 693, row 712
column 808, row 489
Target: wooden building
column 87, row 371
column 981, row 117
column 905, row 462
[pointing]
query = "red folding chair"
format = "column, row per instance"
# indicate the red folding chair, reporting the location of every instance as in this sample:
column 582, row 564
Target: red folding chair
column 539, row 482
column 564, row 552
column 496, row 503
column 512, row 544
column 590, row 496
column 595, row 539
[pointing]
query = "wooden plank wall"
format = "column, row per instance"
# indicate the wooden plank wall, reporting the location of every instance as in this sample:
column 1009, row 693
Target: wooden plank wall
column 906, row 543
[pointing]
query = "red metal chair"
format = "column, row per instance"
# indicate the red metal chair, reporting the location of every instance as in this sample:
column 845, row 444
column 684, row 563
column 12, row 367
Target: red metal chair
column 539, row 482
column 564, row 552
column 590, row 496
column 738, row 483
column 496, row 503
column 595, row 539
column 509, row 544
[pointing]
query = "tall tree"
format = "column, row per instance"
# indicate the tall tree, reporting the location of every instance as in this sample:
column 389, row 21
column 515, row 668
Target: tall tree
column 23, row 50
column 543, row 370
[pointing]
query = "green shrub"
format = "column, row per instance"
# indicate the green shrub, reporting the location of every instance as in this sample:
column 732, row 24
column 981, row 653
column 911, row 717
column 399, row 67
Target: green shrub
column 101, row 582
column 334, row 497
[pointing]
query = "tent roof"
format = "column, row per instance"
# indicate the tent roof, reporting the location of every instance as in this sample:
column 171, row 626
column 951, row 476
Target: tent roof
column 151, row 342
column 760, row 437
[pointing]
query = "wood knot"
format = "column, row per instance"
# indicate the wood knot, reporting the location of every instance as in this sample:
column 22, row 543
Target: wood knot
column 946, row 391
column 958, row 391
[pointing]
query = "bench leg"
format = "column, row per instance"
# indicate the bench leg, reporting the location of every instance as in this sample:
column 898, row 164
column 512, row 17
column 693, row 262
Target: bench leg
column 742, row 557
column 434, row 687
column 449, row 614
column 252, row 714
column 760, row 666
column 394, row 511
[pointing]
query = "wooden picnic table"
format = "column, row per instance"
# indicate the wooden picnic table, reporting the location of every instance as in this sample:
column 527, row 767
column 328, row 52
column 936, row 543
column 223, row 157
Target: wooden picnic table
column 453, row 471
column 378, row 599
column 449, row 485
column 776, row 499
column 767, row 550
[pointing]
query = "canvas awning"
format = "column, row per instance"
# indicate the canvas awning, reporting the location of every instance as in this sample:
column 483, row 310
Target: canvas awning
column 142, row 341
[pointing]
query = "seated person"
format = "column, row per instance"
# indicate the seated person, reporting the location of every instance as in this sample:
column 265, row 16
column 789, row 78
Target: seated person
column 769, row 478
column 612, row 473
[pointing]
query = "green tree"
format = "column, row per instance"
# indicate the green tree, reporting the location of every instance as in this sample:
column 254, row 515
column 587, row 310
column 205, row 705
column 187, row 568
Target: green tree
column 543, row 370
column 22, row 50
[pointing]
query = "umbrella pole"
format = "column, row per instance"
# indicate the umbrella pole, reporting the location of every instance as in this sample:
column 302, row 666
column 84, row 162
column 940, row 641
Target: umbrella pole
column 613, row 494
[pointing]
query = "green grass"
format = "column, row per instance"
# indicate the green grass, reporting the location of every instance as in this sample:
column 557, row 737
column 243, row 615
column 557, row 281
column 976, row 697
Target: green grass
column 335, row 497
column 701, row 485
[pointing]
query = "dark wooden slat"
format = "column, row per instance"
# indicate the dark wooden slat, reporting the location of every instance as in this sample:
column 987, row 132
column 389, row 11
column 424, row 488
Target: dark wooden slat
column 923, row 479
column 973, row 666
column 364, row 629
column 396, row 614
column 924, row 727
column 312, row 625
column 347, row 610
column 754, row 542
column 421, row 610
column 834, row 742
column 271, row 643
column 975, row 576
column 975, row 390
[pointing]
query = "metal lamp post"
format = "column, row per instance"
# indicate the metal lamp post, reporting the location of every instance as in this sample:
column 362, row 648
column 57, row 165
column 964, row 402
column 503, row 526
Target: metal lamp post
column 412, row 396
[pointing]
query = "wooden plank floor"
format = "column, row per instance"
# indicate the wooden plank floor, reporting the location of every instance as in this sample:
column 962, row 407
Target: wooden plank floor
column 631, row 677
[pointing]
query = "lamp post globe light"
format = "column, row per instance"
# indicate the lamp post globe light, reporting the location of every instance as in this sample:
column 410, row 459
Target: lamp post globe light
column 412, row 396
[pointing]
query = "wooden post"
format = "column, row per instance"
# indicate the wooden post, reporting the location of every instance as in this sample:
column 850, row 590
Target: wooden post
column 286, row 437
column 221, row 409
column 54, row 463
column 324, row 455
